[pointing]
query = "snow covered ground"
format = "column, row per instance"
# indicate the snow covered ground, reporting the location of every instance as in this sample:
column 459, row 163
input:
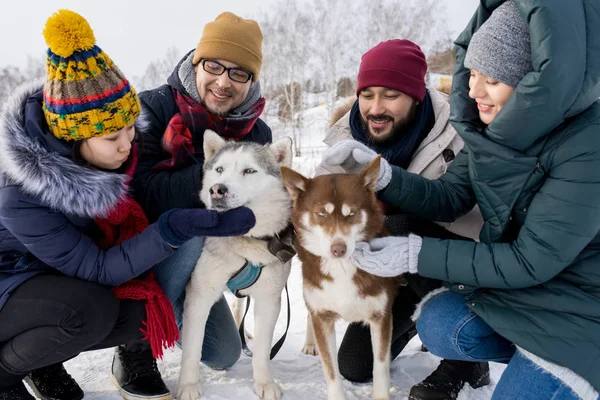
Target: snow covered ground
column 300, row 375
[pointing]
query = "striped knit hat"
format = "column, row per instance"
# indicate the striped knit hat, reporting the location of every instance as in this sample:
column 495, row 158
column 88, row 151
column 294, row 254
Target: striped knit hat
column 85, row 94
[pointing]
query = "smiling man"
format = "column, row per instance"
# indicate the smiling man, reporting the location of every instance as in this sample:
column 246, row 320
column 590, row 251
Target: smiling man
column 397, row 116
column 213, row 87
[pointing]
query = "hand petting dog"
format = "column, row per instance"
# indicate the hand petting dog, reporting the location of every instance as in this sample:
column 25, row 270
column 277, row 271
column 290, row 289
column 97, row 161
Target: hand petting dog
column 354, row 157
column 388, row 256
column 177, row 226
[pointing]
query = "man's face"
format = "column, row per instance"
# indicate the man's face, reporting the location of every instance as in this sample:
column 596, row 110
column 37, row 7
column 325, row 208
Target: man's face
column 385, row 113
column 219, row 93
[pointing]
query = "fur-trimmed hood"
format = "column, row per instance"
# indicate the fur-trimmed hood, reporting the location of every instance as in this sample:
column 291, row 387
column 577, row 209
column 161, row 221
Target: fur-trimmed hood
column 40, row 164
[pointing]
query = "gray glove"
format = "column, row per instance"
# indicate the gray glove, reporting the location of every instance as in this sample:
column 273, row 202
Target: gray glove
column 388, row 256
column 353, row 157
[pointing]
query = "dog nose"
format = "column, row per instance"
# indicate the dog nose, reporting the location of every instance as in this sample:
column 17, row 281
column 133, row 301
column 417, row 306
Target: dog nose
column 218, row 191
column 338, row 249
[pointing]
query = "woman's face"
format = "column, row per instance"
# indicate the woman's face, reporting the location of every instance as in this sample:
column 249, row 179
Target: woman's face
column 109, row 151
column 489, row 94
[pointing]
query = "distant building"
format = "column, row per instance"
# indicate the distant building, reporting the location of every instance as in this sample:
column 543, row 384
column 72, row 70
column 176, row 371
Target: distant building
column 440, row 68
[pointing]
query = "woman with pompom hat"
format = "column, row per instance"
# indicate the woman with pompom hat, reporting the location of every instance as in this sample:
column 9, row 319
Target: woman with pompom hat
column 75, row 249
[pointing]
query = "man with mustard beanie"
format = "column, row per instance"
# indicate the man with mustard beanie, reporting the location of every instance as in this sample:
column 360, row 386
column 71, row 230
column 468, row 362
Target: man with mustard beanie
column 397, row 116
column 215, row 86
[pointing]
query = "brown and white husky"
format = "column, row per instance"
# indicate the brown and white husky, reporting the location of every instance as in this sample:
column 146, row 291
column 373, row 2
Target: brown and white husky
column 330, row 214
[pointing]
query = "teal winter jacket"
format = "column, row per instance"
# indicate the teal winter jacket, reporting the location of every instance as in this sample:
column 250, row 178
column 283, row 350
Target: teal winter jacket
column 534, row 277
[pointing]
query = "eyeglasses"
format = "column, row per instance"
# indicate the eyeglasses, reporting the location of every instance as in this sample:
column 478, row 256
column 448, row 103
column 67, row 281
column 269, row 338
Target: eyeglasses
column 235, row 74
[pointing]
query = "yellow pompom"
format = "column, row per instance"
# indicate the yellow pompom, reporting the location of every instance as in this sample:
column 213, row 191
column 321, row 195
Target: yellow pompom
column 67, row 32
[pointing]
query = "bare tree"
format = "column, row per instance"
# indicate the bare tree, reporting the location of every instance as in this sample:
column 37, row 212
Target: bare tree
column 11, row 76
column 285, row 50
column 321, row 41
column 158, row 71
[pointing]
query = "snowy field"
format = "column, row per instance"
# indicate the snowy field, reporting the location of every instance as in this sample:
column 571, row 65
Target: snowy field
column 300, row 375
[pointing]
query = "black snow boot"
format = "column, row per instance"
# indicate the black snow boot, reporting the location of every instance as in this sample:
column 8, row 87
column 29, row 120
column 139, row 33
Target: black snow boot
column 17, row 392
column 53, row 383
column 136, row 375
column 449, row 378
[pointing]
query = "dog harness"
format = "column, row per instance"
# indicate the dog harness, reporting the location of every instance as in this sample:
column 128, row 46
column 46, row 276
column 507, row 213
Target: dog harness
column 281, row 246
column 244, row 278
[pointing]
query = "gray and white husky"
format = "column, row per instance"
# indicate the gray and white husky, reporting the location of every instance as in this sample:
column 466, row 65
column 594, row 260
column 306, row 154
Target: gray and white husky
column 239, row 174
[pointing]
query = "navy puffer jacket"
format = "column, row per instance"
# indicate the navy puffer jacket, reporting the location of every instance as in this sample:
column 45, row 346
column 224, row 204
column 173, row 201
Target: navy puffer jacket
column 48, row 204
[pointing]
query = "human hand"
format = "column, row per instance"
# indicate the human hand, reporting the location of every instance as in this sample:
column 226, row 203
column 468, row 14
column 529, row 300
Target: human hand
column 179, row 225
column 353, row 156
column 388, row 256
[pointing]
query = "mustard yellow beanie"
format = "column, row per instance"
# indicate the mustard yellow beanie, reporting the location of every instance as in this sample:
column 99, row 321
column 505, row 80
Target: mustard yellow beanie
column 85, row 94
column 232, row 39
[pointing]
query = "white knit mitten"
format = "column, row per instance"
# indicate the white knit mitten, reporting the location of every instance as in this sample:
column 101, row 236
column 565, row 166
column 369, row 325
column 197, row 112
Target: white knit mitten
column 385, row 170
column 389, row 256
column 353, row 156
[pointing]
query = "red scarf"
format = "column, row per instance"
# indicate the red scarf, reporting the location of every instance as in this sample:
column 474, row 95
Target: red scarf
column 184, row 134
column 126, row 220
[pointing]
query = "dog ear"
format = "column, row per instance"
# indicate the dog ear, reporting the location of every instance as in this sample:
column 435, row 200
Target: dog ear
column 294, row 182
column 212, row 143
column 282, row 149
column 370, row 174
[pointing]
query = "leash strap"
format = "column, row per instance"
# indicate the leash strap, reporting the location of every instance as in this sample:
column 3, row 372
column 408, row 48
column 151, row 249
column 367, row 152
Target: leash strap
column 275, row 349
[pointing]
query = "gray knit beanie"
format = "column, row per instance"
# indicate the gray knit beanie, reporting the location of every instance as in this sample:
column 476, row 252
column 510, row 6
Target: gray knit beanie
column 500, row 48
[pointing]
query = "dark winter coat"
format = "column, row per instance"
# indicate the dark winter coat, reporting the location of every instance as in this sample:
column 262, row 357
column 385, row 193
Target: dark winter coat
column 535, row 174
column 160, row 191
column 48, row 203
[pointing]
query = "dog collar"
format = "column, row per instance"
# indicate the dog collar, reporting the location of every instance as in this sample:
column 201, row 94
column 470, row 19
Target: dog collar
column 281, row 245
column 244, row 278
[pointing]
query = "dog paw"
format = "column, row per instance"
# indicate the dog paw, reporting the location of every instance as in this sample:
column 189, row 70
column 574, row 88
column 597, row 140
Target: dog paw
column 268, row 391
column 310, row 349
column 189, row 392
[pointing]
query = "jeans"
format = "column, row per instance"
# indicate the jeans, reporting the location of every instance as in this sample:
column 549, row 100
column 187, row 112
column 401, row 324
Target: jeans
column 222, row 345
column 451, row 331
column 52, row 318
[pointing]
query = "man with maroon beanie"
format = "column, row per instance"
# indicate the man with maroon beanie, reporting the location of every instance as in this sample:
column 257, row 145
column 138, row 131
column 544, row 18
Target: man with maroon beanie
column 398, row 116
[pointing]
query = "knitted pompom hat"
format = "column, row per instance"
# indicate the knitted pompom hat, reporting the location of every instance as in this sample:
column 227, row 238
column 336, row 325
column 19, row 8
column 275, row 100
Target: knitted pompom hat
column 85, row 94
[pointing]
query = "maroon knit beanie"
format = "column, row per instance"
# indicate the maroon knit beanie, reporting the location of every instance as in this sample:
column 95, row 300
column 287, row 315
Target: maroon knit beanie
column 394, row 64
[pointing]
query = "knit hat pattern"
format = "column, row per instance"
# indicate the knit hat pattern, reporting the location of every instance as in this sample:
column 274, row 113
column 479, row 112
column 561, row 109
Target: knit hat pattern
column 85, row 94
column 234, row 39
column 395, row 64
column 501, row 47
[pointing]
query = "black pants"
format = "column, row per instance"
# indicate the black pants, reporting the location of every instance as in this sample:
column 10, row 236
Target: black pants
column 50, row 319
column 355, row 356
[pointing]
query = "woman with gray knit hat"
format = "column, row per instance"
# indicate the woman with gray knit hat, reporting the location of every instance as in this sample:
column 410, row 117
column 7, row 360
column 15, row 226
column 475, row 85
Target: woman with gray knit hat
column 525, row 101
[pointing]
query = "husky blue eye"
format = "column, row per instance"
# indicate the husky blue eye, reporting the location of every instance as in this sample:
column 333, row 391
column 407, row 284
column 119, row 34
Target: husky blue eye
column 321, row 213
column 249, row 171
column 352, row 214
column 219, row 169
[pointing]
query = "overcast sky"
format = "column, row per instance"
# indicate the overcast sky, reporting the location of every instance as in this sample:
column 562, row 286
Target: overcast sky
column 135, row 32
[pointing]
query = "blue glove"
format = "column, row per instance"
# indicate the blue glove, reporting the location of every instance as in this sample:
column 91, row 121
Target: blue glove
column 389, row 256
column 353, row 156
column 177, row 226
